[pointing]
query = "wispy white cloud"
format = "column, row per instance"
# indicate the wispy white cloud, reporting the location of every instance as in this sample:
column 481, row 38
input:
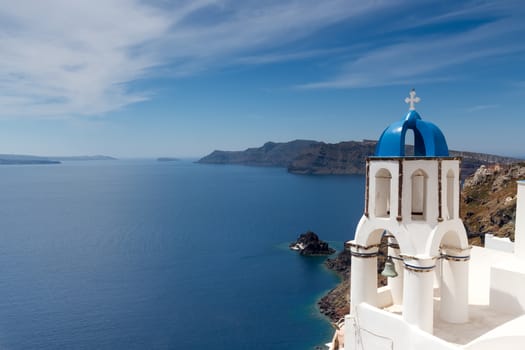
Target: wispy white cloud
column 479, row 108
column 251, row 31
column 287, row 56
column 426, row 58
column 60, row 58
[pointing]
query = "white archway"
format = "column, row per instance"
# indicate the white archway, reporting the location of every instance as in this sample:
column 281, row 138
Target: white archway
column 419, row 186
column 383, row 183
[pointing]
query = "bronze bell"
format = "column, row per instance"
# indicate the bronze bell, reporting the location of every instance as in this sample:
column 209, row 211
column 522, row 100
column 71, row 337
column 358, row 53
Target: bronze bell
column 390, row 268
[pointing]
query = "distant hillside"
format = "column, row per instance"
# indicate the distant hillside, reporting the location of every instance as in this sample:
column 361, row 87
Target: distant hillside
column 9, row 159
column 319, row 158
column 344, row 158
column 6, row 159
column 83, row 158
column 270, row 154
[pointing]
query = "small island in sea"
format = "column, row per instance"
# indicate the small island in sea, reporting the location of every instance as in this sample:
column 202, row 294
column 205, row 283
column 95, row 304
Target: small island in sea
column 167, row 159
column 309, row 244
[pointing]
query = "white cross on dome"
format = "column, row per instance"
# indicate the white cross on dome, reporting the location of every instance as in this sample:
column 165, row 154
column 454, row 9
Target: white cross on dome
column 413, row 99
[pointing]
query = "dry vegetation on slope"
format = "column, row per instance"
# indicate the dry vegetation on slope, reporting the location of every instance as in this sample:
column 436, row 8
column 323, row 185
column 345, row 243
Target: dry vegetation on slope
column 488, row 199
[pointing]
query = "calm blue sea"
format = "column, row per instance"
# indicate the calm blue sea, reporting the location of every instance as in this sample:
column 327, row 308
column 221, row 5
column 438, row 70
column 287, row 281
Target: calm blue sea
column 174, row 255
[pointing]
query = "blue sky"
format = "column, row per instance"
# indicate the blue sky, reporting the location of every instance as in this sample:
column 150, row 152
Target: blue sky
column 155, row 78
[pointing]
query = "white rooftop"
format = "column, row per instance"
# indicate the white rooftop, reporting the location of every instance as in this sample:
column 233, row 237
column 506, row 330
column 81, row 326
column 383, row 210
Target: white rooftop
column 482, row 317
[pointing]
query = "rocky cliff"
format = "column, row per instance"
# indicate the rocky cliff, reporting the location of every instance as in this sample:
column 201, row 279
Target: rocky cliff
column 270, row 154
column 336, row 303
column 319, row 158
column 344, row 158
column 488, row 199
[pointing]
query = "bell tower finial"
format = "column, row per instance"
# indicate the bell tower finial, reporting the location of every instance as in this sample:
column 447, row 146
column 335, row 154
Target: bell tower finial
column 412, row 100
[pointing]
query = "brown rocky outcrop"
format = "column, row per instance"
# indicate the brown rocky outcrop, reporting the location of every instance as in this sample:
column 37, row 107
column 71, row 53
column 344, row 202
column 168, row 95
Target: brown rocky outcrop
column 488, row 200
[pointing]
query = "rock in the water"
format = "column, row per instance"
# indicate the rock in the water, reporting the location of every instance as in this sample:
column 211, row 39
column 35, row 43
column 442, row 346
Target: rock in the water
column 309, row 244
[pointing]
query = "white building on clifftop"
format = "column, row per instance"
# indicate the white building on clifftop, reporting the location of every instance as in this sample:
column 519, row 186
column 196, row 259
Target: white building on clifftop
column 441, row 293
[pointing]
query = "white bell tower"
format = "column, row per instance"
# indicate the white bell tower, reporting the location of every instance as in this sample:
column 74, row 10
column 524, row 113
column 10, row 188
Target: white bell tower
column 414, row 199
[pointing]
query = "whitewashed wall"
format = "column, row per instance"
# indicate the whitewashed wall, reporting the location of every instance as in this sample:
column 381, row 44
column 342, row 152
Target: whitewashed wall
column 380, row 330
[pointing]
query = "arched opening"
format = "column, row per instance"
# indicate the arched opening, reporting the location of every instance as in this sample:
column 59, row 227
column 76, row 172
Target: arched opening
column 419, row 194
column 383, row 181
column 366, row 271
column 389, row 250
column 381, row 259
column 409, row 143
column 450, row 194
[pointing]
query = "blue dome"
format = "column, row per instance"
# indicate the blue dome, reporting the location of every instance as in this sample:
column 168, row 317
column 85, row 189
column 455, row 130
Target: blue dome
column 429, row 140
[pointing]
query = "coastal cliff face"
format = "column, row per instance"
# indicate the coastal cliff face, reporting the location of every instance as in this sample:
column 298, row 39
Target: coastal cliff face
column 270, row 154
column 319, row 158
column 344, row 158
column 336, row 303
